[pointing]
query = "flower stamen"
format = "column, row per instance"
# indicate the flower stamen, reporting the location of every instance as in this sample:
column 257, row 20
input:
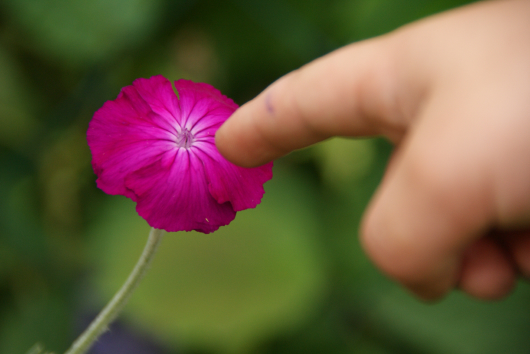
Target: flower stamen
column 185, row 139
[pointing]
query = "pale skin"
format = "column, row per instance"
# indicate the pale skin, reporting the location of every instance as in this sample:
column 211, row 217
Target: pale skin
column 452, row 93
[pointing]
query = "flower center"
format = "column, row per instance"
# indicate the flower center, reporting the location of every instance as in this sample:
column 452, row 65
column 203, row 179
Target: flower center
column 185, row 139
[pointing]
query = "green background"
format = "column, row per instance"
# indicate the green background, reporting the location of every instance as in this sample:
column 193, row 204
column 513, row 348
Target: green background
column 286, row 277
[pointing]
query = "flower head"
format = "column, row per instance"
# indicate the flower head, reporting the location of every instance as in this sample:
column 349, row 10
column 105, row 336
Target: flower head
column 159, row 150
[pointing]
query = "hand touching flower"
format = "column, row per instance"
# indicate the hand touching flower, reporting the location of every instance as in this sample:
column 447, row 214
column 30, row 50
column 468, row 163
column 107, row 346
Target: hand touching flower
column 158, row 149
column 453, row 93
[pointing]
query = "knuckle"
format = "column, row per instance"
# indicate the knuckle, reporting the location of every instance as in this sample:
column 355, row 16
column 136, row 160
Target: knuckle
column 396, row 236
column 396, row 255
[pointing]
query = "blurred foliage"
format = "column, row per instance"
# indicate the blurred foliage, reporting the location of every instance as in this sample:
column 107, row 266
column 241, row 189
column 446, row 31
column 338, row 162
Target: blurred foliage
column 261, row 275
column 286, row 277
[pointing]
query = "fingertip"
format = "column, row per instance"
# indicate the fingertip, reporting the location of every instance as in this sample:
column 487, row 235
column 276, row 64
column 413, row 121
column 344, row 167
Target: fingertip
column 404, row 260
column 224, row 138
column 487, row 273
column 236, row 140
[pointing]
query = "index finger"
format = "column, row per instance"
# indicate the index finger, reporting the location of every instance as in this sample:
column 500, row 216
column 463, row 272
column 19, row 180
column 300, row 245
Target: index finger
column 349, row 92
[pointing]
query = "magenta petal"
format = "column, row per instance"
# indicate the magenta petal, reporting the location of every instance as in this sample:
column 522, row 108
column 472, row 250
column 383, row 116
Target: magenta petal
column 203, row 105
column 172, row 194
column 123, row 137
column 242, row 187
column 158, row 93
column 159, row 150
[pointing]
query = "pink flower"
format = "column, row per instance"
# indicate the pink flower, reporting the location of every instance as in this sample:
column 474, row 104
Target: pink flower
column 159, row 150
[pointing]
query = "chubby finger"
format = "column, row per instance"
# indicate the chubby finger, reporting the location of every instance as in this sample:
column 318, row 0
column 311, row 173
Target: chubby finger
column 349, row 92
column 435, row 199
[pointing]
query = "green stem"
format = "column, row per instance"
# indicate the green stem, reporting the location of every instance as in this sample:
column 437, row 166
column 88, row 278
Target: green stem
column 100, row 324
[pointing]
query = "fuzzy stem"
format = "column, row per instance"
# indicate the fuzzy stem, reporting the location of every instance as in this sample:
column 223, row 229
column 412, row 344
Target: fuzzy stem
column 100, row 324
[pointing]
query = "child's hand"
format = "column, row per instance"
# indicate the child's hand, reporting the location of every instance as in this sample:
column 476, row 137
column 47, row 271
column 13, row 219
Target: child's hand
column 453, row 93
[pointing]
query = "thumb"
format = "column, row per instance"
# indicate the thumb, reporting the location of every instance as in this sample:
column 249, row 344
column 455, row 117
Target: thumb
column 349, row 92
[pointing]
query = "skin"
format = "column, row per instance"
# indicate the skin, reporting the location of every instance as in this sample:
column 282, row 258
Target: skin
column 452, row 92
